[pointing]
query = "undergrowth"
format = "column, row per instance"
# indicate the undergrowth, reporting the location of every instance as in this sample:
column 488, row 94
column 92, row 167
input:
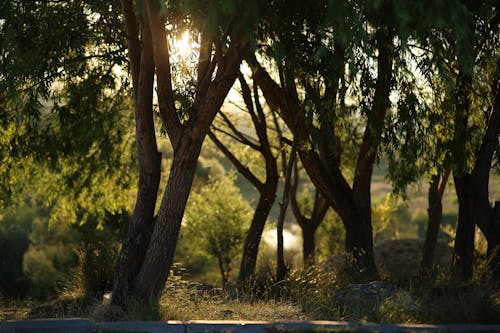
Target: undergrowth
column 304, row 295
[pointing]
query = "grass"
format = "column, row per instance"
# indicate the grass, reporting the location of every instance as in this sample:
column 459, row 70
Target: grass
column 304, row 296
column 185, row 301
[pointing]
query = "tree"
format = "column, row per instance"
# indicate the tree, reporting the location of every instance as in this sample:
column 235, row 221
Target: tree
column 318, row 141
column 267, row 188
column 308, row 223
column 64, row 117
column 472, row 87
column 224, row 29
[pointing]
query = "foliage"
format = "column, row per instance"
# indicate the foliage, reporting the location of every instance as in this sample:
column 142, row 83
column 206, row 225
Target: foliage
column 98, row 245
column 215, row 220
column 15, row 228
column 330, row 235
column 392, row 220
column 50, row 258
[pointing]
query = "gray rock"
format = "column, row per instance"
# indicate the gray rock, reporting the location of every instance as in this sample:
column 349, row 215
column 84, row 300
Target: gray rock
column 363, row 300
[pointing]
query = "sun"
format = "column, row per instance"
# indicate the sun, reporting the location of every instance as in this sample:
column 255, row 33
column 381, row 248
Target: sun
column 184, row 45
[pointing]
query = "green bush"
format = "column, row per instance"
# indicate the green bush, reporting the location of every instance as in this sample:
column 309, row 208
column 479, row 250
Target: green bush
column 15, row 228
column 215, row 220
column 50, row 258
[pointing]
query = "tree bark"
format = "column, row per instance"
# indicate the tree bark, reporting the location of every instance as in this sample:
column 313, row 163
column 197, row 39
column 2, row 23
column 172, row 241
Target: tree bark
column 149, row 161
column 493, row 251
column 464, row 239
column 359, row 243
column 160, row 252
column 487, row 217
column 281, row 268
column 308, row 225
column 308, row 245
column 253, row 237
column 435, row 214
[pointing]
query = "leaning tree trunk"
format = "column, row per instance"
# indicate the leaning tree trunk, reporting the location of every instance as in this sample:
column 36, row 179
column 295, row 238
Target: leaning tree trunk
column 149, row 159
column 487, row 217
column 216, row 76
column 352, row 204
column 253, row 238
column 160, row 252
column 435, row 214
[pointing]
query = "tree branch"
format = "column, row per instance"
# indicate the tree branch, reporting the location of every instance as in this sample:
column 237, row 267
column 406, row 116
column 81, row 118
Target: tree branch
column 244, row 170
column 242, row 138
column 134, row 45
column 168, row 112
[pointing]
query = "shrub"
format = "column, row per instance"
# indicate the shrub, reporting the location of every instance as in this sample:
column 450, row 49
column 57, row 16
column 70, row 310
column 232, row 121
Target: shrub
column 215, row 219
column 14, row 242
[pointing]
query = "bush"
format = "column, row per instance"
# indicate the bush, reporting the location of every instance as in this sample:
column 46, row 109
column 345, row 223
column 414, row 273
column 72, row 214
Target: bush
column 50, row 258
column 215, row 219
column 399, row 308
column 14, row 242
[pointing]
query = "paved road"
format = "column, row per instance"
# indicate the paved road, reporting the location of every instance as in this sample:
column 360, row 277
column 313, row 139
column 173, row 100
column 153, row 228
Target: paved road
column 87, row 326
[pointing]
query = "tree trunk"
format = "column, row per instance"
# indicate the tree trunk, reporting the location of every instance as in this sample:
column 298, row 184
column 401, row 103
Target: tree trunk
column 487, row 217
column 308, row 225
column 149, row 160
column 435, row 214
column 493, row 252
column 464, row 240
column 352, row 204
column 253, row 238
column 223, row 273
column 359, row 243
column 309, row 244
column 160, row 253
column 281, row 269
column 147, row 263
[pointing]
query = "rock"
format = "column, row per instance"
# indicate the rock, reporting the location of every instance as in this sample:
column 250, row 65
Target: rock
column 399, row 258
column 363, row 300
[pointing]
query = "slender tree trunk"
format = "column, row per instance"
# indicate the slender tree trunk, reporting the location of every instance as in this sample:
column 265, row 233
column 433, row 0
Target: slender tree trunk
column 149, row 159
column 464, row 239
column 223, row 273
column 309, row 244
column 160, row 252
column 281, row 269
column 267, row 189
column 435, row 214
column 308, row 225
column 253, row 238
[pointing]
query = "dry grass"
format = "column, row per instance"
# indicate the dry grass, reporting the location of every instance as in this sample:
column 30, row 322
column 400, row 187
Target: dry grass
column 188, row 301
